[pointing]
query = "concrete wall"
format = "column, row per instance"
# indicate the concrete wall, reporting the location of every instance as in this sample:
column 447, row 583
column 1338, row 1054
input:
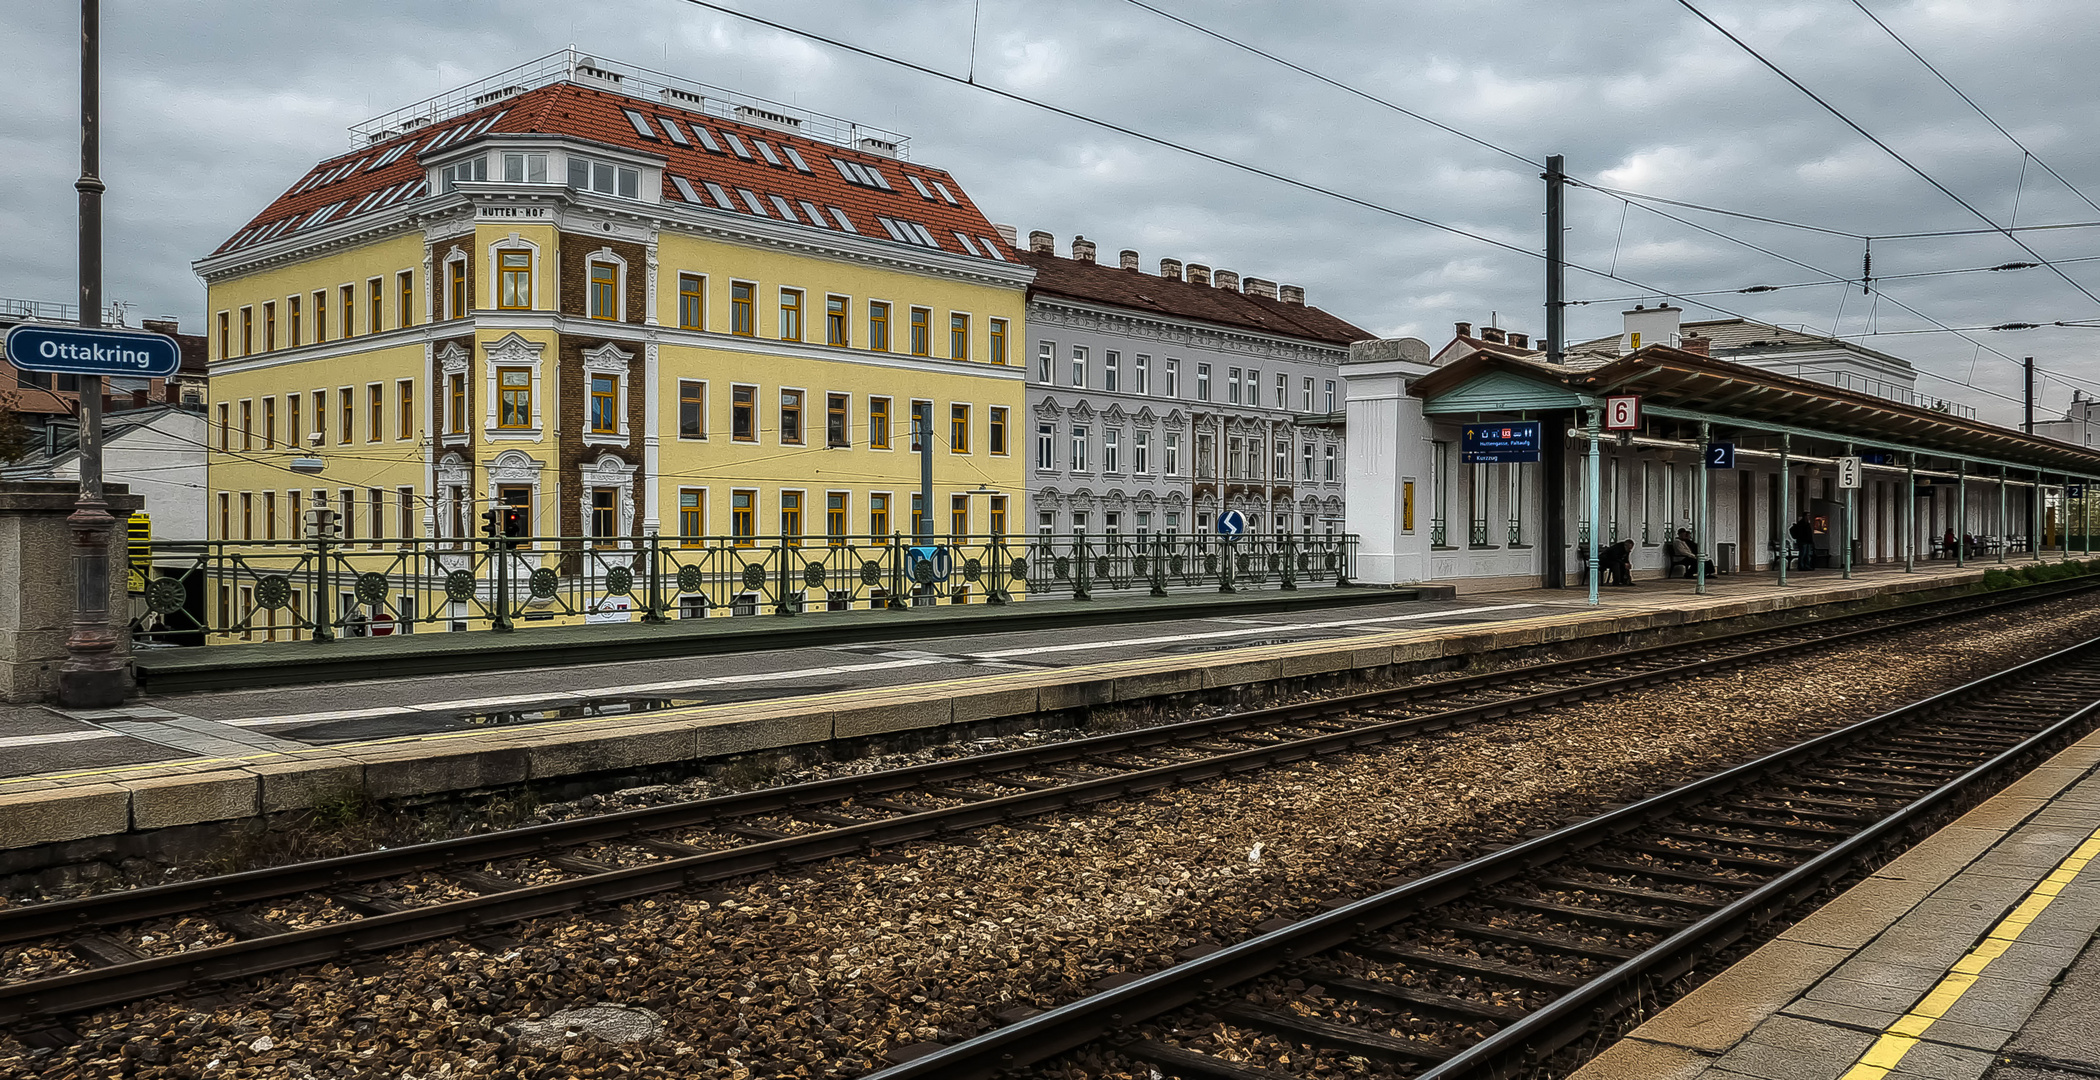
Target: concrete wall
column 36, row 555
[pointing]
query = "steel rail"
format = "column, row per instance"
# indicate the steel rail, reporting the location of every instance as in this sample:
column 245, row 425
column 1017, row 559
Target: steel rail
column 1091, row 1018
column 61, row 994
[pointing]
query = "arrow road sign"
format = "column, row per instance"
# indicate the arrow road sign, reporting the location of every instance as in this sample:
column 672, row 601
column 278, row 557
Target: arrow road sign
column 75, row 350
column 1232, row 523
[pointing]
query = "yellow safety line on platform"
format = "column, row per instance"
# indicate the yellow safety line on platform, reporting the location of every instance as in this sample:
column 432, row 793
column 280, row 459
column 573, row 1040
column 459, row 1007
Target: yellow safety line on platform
column 1897, row 1039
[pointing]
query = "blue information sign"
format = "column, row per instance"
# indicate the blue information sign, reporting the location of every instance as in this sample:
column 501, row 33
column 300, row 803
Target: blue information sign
column 1512, row 440
column 1720, row 455
column 78, row 350
column 1231, row 523
column 2075, row 491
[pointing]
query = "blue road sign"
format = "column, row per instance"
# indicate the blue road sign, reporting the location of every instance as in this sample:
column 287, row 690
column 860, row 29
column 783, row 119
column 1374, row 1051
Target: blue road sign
column 1514, row 440
column 1720, row 455
column 1232, row 523
column 928, row 563
column 78, row 350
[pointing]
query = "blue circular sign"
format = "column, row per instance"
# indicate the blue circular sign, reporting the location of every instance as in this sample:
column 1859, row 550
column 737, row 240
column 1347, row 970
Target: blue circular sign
column 1232, row 523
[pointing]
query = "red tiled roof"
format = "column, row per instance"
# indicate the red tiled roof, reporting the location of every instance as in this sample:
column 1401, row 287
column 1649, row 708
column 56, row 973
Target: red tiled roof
column 597, row 115
column 1084, row 280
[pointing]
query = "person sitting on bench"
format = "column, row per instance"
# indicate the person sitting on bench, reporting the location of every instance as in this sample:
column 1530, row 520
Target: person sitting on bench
column 1685, row 555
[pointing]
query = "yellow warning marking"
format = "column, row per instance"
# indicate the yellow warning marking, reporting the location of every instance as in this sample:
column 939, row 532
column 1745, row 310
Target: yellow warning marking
column 1897, row 1039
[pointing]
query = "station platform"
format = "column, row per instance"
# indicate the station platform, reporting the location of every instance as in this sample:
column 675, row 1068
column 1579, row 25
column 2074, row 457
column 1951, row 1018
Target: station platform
column 170, row 760
column 1972, row 955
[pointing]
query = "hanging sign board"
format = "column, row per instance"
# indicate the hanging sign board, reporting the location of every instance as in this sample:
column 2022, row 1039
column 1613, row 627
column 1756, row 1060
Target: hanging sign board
column 1850, row 472
column 1515, row 440
column 1622, row 412
column 1720, row 455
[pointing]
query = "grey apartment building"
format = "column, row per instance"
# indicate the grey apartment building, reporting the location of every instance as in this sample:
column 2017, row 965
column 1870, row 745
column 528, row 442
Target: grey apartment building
column 1158, row 401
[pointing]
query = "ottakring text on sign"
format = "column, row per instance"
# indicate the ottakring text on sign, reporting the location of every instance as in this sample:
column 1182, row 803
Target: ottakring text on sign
column 1487, row 444
column 78, row 350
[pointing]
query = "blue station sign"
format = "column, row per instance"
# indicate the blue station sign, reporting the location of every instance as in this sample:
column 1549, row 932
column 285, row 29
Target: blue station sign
column 1512, row 440
column 79, row 350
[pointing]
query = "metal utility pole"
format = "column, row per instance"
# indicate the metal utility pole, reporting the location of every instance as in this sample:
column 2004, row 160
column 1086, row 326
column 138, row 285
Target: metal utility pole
column 922, row 421
column 91, row 677
column 1556, row 266
column 2027, row 415
column 1553, row 467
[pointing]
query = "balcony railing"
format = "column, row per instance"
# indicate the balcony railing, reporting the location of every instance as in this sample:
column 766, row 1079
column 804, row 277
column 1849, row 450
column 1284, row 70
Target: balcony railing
column 205, row 592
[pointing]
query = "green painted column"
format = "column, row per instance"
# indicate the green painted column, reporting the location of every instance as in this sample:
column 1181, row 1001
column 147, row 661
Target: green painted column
column 1704, row 533
column 1595, row 426
column 2004, row 534
column 1910, row 514
column 1784, row 542
column 1961, row 514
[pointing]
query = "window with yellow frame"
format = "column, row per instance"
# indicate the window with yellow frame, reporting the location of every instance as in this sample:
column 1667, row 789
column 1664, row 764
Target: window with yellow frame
column 514, row 280
column 958, row 335
column 743, row 320
column 604, row 291
column 692, row 302
column 921, row 332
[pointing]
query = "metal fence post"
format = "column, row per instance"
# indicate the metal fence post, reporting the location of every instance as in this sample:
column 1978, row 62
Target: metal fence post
column 324, row 626
column 655, row 614
column 1225, row 564
column 1158, row 575
column 898, row 601
column 501, row 549
column 1082, row 570
column 1290, row 564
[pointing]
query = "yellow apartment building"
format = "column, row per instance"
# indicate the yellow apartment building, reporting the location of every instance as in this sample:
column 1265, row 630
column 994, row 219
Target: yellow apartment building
column 686, row 332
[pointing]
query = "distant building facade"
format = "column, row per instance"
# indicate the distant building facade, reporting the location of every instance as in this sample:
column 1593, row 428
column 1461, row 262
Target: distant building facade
column 49, row 404
column 1157, row 402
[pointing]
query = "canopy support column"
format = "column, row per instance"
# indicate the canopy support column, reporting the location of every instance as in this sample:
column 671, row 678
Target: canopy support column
column 2004, row 522
column 1704, row 534
column 1595, row 426
column 1784, row 542
column 1961, row 514
column 1910, row 514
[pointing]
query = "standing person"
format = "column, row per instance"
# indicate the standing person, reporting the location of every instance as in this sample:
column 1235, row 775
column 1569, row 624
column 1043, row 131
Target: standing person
column 1804, row 536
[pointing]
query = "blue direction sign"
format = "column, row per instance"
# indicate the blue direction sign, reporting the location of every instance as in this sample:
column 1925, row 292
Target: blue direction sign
column 79, row 350
column 1720, row 455
column 1232, row 523
column 928, row 563
column 1514, row 440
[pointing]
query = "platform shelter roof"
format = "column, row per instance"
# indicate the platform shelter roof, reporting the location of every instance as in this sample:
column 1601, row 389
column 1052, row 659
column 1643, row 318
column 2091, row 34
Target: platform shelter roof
column 1684, row 385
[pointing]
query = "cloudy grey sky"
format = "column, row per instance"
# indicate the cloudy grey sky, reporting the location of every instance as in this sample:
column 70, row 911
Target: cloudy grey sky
column 212, row 108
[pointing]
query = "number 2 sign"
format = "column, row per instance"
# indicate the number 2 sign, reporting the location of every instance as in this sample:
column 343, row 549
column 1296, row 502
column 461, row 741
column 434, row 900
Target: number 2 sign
column 1622, row 412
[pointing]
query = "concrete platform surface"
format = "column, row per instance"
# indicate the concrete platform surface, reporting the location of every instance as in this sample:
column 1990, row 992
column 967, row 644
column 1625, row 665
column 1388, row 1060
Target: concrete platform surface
column 1970, row 955
column 199, row 757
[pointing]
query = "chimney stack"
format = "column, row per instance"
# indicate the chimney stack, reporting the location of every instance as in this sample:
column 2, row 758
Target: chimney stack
column 1650, row 326
column 1129, row 259
column 1465, row 329
column 1227, row 279
column 1291, row 294
column 1493, row 334
column 1009, row 234
column 1082, row 249
column 1255, row 286
column 1521, row 341
column 1170, row 268
column 169, row 327
column 1042, row 243
column 1703, row 346
column 1199, row 274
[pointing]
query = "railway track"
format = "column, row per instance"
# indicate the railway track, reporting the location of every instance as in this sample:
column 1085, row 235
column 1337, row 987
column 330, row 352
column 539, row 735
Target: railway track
column 96, row 953
column 1488, row 967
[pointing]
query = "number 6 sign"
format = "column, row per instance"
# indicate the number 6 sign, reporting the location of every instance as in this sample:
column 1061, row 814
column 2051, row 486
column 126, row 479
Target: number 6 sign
column 1622, row 413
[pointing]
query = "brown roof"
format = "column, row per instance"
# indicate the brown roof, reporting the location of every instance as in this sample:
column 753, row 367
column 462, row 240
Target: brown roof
column 1074, row 279
column 597, row 115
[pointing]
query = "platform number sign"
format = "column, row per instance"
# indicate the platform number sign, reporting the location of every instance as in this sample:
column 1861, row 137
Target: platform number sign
column 2075, row 491
column 1720, row 455
column 1849, row 472
column 1622, row 412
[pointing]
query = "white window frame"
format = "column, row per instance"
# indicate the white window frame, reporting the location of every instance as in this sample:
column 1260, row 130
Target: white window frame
column 606, row 359
column 511, row 350
column 1079, row 365
column 606, row 255
column 1045, row 446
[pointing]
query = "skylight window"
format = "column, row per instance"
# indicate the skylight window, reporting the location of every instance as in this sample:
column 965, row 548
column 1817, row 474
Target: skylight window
column 967, row 245
column 800, row 165
column 991, row 249
column 864, row 175
column 875, row 174
column 370, row 198
column 685, row 190
column 781, row 205
column 323, row 213
column 707, row 139
column 672, row 129
column 751, row 200
column 721, row 197
column 921, row 185
column 810, row 211
column 891, row 228
column 924, row 236
column 839, row 216
column 946, row 195
column 487, row 124
column 641, row 124
column 766, row 149
column 909, row 232
column 736, row 145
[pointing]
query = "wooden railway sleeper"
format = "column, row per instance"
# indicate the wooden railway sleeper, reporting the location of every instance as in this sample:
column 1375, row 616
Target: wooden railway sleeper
column 1812, row 815
column 1738, row 841
column 1628, row 891
column 1535, row 941
column 1733, row 821
column 1332, row 1036
column 1388, row 996
column 1464, row 965
column 1594, row 916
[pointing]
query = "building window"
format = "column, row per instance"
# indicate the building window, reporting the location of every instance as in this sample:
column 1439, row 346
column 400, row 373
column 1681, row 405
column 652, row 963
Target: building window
column 225, row 334
column 1141, row 453
column 1253, row 387
column 879, row 515
column 1280, row 469
column 958, row 336
column 1202, row 382
column 1233, row 469
column 349, row 312
column 605, row 291
column 605, row 513
column 743, row 413
column 605, row 404
column 998, row 342
column 1173, row 377
column 247, row 516
column 225, row 516
column 743, row 320
column 791, row 418
column 919, row 530
column 878, row 423
column 407, row 393
column 514, row 397
column 1045, row 357
column 997, row 521
column 1079, row 366
column 1111, row 370
column 995, row 431
column 791, row 518
column 270, row 423
column 292, row 316
column 791, row 314
column 375, row 415
column 1283, row 390
column 247, row 331
column 1328, row 471
column 522, row 168
column 1232, row 385
column 1045, row 446
column 835, row 314
column 1308, row 397
column 294, row 432
column 1141, row 374
column 514, row 280
column 1173, row 449
column 921, row 332
column 837, row 422
column 692, row 302
column 270, row 327
column 692, row 409
column 320, row 417
column 458, row 397
column 348, row 400
column 1111, row 450
column 406, row 316
column 406, row 527
column 269, row 515
column 457, row 288
column 692, row 516
column 1330, row 395
column 1079, row 440
column 878, row 326
column 1305, row 471
column 742, row 517
column 958, row 429
column 603, row 178
column 836, row 523
column 958, row 517
column 247, row 425
column 375, row 312
column 1045, row 525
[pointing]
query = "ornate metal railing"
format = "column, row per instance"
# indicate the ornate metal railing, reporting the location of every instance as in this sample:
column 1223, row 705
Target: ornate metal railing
column 1477, row 532
column 1437, row 532
column 205, row 592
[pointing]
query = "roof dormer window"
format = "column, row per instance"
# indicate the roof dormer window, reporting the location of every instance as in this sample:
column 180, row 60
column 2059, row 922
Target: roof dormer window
column 474, row 168
column 523, row 168
column 604, row 178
